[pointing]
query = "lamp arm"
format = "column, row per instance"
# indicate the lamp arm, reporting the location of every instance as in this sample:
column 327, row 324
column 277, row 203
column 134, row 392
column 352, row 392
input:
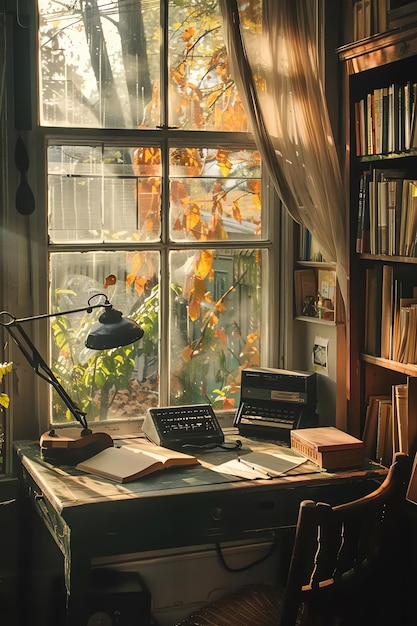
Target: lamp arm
column 41, row 368
column 13, row 320
column 126, row 333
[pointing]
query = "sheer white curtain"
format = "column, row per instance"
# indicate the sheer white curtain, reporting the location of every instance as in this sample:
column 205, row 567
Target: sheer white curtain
column 277, row 75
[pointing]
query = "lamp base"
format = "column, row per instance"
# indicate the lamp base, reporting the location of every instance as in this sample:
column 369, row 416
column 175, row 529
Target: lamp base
column 69, row 449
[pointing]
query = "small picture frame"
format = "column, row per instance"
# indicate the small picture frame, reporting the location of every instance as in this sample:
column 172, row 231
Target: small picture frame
column 326, row 297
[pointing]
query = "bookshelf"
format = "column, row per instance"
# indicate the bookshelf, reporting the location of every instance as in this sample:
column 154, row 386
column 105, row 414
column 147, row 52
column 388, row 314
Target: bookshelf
column 381, row 139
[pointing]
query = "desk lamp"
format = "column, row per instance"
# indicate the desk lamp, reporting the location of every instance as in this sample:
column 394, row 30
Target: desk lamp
column 111, row 330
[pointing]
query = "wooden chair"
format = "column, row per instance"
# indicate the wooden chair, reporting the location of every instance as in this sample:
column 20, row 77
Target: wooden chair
column 343, row 558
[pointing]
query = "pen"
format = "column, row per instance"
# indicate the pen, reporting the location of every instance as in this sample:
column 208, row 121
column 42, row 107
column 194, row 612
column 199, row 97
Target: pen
column 255, row 469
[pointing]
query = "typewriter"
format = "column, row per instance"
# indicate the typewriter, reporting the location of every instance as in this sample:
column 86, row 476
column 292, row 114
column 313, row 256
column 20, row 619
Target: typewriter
column 275, row 401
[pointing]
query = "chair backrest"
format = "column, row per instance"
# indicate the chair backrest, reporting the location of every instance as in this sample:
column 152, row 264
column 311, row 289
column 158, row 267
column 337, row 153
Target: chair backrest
column 338, row 549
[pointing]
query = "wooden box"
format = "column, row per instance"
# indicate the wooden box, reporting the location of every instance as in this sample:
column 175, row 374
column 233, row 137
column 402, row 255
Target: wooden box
column 328, row 447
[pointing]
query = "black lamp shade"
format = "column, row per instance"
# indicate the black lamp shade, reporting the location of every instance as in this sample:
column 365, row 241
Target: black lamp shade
column 112, row 331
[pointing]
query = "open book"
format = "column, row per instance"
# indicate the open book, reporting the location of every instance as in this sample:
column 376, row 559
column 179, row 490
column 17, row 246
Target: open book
column 127, row 463
column 262, row 464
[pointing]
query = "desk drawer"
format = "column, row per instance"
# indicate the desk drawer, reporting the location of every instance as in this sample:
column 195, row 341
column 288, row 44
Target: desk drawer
column 176, row 520
column 52, row 520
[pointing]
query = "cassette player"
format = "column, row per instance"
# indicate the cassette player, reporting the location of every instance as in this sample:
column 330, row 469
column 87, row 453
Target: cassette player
column 275, row 401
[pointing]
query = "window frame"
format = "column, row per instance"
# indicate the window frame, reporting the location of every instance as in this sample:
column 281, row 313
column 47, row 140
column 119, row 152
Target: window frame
column 29, row 412
column 170, row 137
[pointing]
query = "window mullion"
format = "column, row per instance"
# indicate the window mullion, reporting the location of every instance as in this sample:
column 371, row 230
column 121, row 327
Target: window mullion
column 164, row 64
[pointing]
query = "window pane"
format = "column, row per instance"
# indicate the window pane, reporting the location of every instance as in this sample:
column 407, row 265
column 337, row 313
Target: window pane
column 201, row 93
column 215, row 326
column 98, row 61
column 99, row 66
column 115, row 383
column 215, row 194
column 98, row 194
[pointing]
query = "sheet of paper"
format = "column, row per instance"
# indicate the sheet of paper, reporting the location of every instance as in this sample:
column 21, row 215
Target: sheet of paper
column 236, row 468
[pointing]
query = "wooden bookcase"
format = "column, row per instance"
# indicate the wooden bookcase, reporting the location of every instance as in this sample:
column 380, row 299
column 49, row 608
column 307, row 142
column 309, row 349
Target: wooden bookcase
column 380, row 62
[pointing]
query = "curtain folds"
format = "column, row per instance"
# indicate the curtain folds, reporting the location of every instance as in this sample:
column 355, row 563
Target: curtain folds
column 277, row 75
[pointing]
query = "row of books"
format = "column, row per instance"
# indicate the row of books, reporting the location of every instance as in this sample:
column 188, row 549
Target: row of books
column 391, row 422
column 385, row 120
column 390, row 314
column 387, row 213
column 369, row 18
column 309, row 247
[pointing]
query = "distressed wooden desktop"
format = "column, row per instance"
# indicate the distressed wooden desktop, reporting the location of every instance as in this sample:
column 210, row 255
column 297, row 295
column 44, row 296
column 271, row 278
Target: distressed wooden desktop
column 89, row 517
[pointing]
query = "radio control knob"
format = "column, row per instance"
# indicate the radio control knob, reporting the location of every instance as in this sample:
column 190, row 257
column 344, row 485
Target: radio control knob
column 217, row 513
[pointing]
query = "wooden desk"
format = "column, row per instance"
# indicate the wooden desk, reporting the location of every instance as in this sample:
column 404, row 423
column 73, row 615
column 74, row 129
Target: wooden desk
column 89, row 517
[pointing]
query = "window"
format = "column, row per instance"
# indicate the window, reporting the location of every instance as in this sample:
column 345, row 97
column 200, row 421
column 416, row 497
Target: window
column 155, row 196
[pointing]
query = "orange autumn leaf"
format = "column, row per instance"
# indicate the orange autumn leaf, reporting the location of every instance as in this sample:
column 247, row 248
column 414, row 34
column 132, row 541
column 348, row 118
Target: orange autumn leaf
column 199, row 289
column 136, row 262
column 130, row 278
column 110, row 280
column 212, row 98
column 205, row 264
column 188, row 34
column 217, row 230
column 236, row 212
column 187, row 354
column 221, row 335
column 225, row 168
column 212, row 320
column 179, row 222
column 178, row 192
column 220, row 306
column 251, row 338
column 254, row 185
column 140, row 284
column 192, row 217
column 194, row 309
column 217, row 188
column 228, row 403
column 178, row 74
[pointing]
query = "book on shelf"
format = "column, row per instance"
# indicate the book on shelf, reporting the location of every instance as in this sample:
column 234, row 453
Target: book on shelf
column 405, row 331
column 310, row 249
column 384, row 435
column 387, row 308
column 127, row 463
column 358, row 20
column 329, row 447
column 408, row 230
column 391, row 422
column 363, row 228
column 370, row 428
column 373, row 307
column 395, row 194
column 400, row 412
column 405, row 411
column 390, row 294
column 385, row 119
